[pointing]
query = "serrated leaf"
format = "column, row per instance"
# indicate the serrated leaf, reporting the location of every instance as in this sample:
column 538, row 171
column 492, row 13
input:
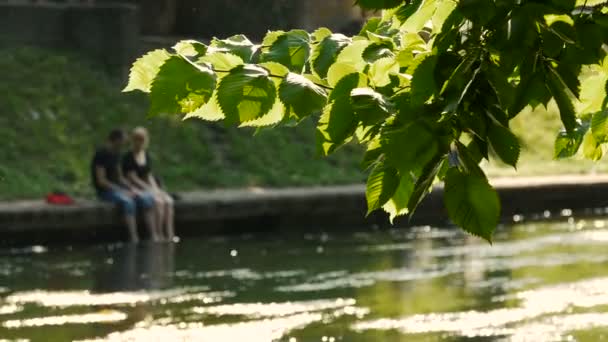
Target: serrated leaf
column 377, row 51
column 321, row 33
column 181, row 87
column 237, row 45
column 145, row 69
column 591, row 148
column 290, row 49
column 442, row 13
column 472, row 203
column 409, row 148
column 461, row 75
column 505, row 144
column 353, row 55
column 372, row 154
column 423, row 81
column 325, row 53
column 594, row 91
column 381, row 70
column 210, row 111
column 599, row 126
column 190, row 48
column 563, row 97
column 567, row 144
column 338, row 122
column 271, row 37
column 277, row 71
column 418, row 18
column 246, row 93
column 398, row 204
column 424, row 183
column 381, row 186
column 370, row 106
column 337, row 71
column 222, row 62
column 273, row 117
column 301, row 96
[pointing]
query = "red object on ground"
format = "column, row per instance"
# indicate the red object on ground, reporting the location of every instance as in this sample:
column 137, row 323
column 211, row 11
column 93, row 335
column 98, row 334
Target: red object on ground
column 59, row 199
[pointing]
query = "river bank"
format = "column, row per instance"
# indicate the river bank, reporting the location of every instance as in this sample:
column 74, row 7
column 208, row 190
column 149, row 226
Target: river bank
column 275, row 210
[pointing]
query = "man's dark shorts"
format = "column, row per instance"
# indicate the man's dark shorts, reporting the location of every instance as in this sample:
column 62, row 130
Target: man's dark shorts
column 127, row 203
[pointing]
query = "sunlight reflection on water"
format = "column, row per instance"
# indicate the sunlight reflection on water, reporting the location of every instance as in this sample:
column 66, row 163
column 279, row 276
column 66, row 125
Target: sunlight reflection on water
column 537, row 282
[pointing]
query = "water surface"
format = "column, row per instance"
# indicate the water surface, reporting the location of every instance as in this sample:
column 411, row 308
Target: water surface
column 537, row 282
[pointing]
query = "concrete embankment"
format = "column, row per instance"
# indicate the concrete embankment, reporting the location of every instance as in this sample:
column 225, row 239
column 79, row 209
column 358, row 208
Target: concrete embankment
column 251, row 210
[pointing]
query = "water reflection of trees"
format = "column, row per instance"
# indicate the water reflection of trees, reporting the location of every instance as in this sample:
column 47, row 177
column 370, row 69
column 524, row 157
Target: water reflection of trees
column 471, row 282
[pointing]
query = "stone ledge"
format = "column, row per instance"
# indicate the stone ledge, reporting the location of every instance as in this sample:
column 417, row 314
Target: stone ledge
column 335, row 206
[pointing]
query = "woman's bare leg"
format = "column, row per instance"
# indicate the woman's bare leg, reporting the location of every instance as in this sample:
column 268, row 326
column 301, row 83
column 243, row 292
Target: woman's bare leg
column 169, row 222
column 159, row 205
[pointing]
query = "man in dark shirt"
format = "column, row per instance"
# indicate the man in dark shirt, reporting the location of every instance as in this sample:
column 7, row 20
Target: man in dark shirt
column 111, row 186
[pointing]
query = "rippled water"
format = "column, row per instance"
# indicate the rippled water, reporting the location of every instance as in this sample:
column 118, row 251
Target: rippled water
column 538, row 282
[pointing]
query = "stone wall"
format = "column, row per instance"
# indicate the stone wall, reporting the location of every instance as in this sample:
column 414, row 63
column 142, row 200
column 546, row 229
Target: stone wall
column 108, row 33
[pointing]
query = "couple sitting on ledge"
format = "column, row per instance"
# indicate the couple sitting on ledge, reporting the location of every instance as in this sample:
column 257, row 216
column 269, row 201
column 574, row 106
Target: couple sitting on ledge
column 128, row 182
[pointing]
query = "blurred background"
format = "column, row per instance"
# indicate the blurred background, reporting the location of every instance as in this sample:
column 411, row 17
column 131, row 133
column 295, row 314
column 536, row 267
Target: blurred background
column 64, row 64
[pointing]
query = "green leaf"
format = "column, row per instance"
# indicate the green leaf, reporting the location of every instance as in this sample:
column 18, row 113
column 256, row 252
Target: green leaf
column 190, row 48
column 567, row 144
column 369, row 106
column 472, row 203
column 505, row 144
column 381, row 70
column 423, row 81
column 337, row 71
column 222, row 62
column 210, row 111
column 417, row 19
column 599, row 126
column 398, row 204
column 247, row 93
column 338, row 122
column 144, row 70
column 353, row 55
column 325, row 53
column 461, row 75
column 381, row 186
column 591, row 148
column 424, row 183
column 377, row 51
column 321, row 33
column 276, row 71
column 237, row 45
column 274, row 116
column 372, row 154
column 409, row 148
column 290, row 49
column 563, row 97
column 301, row 96
column 181, row 87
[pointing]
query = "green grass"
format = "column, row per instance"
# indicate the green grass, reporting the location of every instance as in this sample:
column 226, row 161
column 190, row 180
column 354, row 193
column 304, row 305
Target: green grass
column 56, row 106
column 537, row 130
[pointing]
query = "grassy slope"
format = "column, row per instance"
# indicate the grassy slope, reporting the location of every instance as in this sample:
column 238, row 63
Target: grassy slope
column 55, row 107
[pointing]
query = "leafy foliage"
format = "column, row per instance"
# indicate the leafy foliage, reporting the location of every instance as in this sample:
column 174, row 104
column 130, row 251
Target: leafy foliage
column 418, row 81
